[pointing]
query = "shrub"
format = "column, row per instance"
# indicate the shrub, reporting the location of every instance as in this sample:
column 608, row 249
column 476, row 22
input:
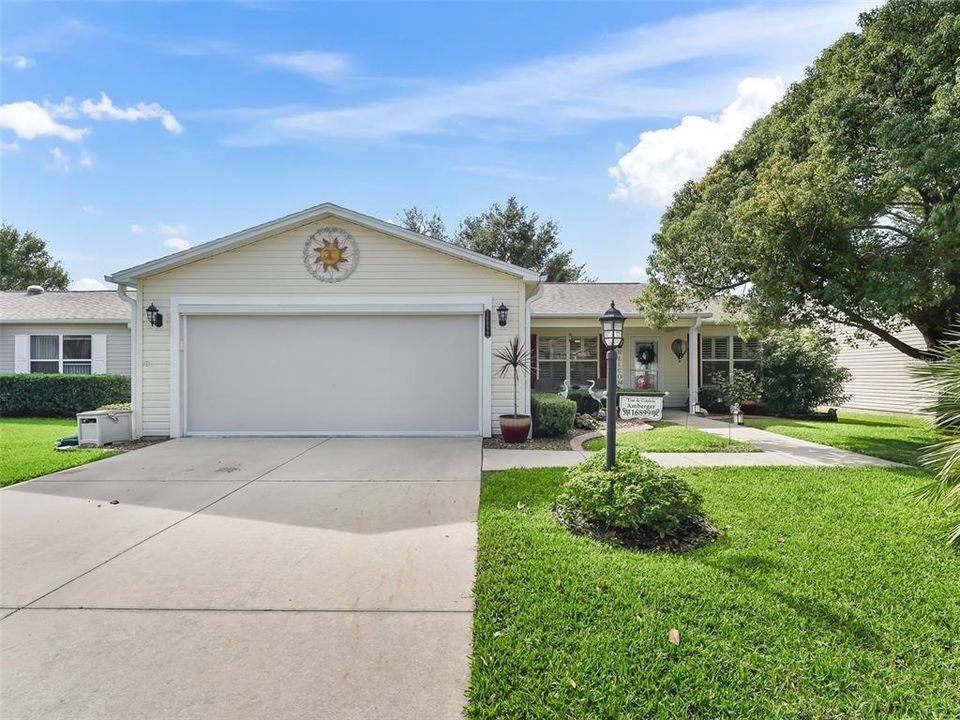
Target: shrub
column 586, row 405
column 741, row 388
column 798, row 371
column 711, row 401
column 38, row 395
column 553, row 415
column 636, row 495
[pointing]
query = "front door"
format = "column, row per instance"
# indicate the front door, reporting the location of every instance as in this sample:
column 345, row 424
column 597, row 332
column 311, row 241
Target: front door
column 646, row 364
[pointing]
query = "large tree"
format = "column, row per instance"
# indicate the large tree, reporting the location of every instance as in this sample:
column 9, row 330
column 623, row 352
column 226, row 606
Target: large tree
column 24, row 261
column 415, row 219
column 841, row 205
column 510, row 233
column 513, row 234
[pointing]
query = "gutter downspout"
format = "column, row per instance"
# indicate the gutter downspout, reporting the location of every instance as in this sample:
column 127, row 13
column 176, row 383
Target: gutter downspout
column 527, row 312
column 693, row 370
column 134, row 325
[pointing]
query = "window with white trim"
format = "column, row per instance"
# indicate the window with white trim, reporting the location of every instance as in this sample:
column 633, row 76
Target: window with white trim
column 61, row 354
column 566, row 357
column 721, row 355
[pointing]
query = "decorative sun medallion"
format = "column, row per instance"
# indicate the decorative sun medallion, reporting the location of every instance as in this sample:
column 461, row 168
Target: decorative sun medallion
column 330, row 254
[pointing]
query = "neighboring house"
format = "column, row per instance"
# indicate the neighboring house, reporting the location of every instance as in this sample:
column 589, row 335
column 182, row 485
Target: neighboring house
column 565, row 344
column 882, row 379
column 78, row 333
column 324, row 322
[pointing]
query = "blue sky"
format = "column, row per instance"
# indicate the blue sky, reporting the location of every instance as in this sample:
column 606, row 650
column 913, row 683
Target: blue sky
column 132, row 130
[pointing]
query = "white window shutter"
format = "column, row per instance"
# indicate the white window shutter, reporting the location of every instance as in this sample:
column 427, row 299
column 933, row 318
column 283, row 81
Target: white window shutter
column 99, row 344
column 21, row 353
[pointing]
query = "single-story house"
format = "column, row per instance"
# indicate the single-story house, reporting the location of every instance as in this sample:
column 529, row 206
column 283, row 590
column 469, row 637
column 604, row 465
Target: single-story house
column 331, row 322
column 64, row 332
column 324, row 322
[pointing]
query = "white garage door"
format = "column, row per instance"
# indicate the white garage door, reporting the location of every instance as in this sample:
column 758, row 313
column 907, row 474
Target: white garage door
column 347, row 374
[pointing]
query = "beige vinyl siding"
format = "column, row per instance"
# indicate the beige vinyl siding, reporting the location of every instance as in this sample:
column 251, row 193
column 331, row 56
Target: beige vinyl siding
column 274, row 266
column 118, row 341
column 881, row 380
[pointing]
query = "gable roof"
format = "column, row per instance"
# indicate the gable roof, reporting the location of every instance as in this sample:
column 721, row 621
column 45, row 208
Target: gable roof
column 99, row 306
column 288, row 222
column 592, row 299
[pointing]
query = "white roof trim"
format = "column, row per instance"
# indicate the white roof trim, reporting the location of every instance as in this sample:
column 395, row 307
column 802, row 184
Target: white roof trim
column 288, row 222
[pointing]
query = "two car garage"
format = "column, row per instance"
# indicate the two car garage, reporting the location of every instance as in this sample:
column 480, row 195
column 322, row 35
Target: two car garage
column 331, row 374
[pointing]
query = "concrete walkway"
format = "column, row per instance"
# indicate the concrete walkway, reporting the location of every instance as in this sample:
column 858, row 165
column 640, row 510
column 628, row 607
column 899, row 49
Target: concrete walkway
column 243, row 578
column 775, row 450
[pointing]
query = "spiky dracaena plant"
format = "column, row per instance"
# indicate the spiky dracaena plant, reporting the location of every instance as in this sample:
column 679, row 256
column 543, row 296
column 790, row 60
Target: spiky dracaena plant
column 942, row 378
column 515, row 358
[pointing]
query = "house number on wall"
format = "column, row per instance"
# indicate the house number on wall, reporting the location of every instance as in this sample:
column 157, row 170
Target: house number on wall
column 330, row 254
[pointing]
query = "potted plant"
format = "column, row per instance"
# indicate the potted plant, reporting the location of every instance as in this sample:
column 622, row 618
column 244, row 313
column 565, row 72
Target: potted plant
column 515, row 428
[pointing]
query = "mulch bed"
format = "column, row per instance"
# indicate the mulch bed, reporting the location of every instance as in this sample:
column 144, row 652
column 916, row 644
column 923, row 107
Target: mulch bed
column 695, row 532
column 119, row 447
column 556, row 443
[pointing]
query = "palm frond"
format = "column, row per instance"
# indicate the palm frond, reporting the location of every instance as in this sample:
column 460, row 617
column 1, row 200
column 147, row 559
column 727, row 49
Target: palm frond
column 941, row 378
column 514, row 357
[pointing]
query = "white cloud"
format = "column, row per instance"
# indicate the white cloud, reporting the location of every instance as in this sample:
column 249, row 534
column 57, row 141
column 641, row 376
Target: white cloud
column 91, row 210
column 28, row 120
column 61, row 161
column 104, row 108
column 136, row 228
column 638, row 273
column 323, row 66
column 663, row 160
column 175, row 243
column 620, row 77
column 87, row 284
column 172, row 229
column 86, row 160
column 18, row 62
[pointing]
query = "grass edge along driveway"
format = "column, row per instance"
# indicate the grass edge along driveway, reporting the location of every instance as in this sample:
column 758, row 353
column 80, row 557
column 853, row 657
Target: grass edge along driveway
column 672, row 437
column 829, row 594
column 892, row 437
column 27, row 448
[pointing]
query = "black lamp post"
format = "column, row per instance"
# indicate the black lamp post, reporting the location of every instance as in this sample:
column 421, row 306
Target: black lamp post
column 612, row 323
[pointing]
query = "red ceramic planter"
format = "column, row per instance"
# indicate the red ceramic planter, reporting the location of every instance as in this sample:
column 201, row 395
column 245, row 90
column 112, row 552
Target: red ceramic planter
column 515, row 428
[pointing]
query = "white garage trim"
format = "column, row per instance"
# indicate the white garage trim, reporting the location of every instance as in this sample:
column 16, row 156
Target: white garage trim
column 182, row 306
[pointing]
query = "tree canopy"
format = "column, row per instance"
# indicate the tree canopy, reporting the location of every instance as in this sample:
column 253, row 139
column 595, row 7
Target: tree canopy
column 24, row 261
column 841, row 205
column 510, row 233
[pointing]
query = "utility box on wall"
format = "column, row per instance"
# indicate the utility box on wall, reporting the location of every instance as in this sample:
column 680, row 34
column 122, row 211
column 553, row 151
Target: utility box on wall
column 104, row 427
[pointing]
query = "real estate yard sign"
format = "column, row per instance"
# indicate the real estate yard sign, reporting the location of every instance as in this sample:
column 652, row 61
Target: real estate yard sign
column 642, row 407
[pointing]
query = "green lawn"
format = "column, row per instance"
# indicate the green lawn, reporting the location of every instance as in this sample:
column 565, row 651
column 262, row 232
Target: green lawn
column 829, row 595
column 26, row 448
column 670, row 437
column 885, row 436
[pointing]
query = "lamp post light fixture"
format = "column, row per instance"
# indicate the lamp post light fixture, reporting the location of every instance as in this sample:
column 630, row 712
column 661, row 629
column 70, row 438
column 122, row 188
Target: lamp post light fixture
column 154, row 316
column 502, row 315
column 612, row 322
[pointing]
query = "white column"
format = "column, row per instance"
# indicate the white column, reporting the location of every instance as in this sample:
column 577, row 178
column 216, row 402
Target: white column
column 693, row 356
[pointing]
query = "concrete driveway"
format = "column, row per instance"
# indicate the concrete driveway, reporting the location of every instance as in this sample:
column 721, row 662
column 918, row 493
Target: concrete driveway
column 243, row 578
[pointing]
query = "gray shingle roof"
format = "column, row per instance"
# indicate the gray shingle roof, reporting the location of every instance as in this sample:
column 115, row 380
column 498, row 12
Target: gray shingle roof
column 586, row 298
column 592, row 299
column 95, row 305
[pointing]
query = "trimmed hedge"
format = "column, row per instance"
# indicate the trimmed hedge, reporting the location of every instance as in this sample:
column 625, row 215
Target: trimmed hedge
column 553, row 415
column 586, row 405
column 39, row 395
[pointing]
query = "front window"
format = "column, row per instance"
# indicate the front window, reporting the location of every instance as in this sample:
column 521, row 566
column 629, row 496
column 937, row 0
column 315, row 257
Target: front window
column 66, row 354
column 563, row 357
column 722, row 355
